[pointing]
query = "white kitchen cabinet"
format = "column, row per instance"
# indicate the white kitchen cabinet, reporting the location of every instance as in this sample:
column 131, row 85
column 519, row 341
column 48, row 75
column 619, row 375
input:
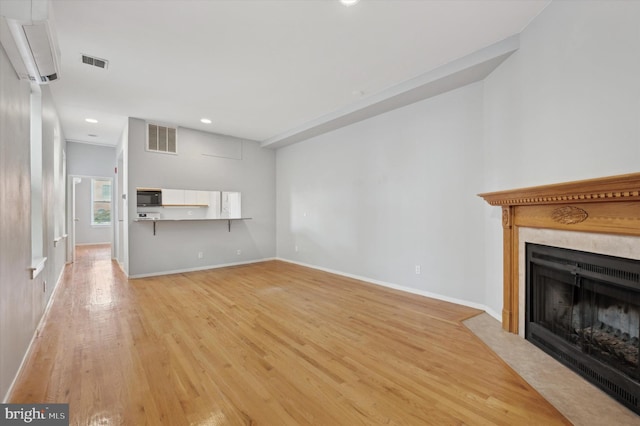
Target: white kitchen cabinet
column 203, row 197
column 185, row 197
column 191, row 197
column 173, row 197
column 196, row 198
column 210, row 206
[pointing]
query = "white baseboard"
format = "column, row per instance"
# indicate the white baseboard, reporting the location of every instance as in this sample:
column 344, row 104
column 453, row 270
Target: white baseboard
column 36, row 333
column 121, row 266
column 411, row 290
column 201, row 268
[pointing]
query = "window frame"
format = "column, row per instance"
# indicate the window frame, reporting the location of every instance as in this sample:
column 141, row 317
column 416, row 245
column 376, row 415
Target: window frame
column 93, row 202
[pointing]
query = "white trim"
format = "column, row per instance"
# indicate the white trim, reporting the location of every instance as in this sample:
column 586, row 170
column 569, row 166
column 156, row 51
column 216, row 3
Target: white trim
column 37, row 266
column 401, row 288
column 201, row 268
column 106, row 144
column 36, row 333
column 121, row 266
column 58, row 239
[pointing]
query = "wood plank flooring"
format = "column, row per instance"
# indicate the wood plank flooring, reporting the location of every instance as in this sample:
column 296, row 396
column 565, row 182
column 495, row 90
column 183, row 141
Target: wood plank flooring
column 264, row 344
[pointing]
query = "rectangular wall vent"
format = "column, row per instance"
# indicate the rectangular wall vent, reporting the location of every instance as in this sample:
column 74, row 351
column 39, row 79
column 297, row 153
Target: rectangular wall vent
column 162, row 139
column 96, row 62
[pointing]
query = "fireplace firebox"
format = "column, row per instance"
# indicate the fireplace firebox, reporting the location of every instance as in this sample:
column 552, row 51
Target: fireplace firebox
column 584, row 310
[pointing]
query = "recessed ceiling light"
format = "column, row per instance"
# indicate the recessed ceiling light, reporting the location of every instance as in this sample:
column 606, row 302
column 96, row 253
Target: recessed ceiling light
column 91, row 120
column 349, row 2
column 205, row 120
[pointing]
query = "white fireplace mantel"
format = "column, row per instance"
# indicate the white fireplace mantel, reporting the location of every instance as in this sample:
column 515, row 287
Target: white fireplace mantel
column 609, row 205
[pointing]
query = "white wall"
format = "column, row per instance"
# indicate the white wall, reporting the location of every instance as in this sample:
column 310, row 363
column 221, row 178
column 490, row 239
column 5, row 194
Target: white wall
column 376, row 198
column 23, row 300
column 230, row 164
column 565, row 107
column 90, row 160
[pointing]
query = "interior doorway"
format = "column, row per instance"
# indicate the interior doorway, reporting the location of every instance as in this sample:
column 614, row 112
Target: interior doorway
column 119, row 251
column 91, row 212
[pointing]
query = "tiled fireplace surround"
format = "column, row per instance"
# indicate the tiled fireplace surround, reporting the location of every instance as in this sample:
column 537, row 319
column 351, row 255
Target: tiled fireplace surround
column 613, row 245
column 597, row 215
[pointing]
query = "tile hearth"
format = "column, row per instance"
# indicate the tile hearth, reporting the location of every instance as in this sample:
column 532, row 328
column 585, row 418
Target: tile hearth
column 578, row 400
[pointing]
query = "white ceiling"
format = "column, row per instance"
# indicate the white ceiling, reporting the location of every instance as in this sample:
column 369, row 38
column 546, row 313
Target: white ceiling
column 256, row 68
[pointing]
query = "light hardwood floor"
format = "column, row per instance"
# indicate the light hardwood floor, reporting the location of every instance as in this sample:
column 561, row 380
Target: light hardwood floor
column 264, row 344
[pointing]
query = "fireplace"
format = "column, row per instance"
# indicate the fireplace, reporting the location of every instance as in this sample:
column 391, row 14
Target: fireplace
column 599, row 215
column 608, row 205
column 584, row 310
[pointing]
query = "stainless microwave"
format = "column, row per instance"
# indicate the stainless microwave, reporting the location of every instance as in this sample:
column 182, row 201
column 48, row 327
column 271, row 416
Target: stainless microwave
column 149, row 197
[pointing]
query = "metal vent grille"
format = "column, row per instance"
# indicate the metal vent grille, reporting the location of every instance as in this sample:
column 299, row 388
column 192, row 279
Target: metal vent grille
column 621, row 275
column 96, row 62
column 612, row 272
column 162, row 139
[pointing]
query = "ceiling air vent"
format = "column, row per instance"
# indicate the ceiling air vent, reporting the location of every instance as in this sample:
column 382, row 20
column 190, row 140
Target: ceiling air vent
column 161, row 139
column 96, row 62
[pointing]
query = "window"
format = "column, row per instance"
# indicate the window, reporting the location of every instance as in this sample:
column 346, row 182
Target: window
column 100, row 201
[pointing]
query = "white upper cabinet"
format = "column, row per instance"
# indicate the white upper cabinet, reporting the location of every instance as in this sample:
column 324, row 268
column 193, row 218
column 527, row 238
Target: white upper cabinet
column 185, row 197
column 173, row 197
column 191, row 197
column 203, row 197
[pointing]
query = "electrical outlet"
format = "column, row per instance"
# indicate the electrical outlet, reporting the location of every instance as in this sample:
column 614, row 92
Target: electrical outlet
column 238, row 252
column 418, row 270
column 295, row 248
column 200, row 255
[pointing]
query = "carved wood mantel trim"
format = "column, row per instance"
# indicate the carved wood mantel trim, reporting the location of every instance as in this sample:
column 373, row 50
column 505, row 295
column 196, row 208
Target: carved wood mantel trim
column 612, row 188
column 608, row 205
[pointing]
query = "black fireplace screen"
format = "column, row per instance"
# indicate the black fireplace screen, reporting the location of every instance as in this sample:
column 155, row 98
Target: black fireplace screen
column 584, row 310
